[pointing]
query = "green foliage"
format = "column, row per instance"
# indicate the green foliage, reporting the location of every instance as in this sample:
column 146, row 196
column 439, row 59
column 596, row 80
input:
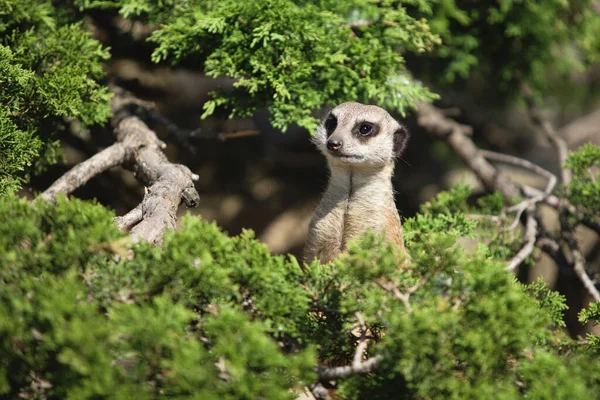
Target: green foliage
column 553, row 302
column 511, row 41
column 48, row 73
column 584, row 189
column 445, row 213
column 298, row 48
column 147, row 343
column 86, row 313
column 592, row 314
column 492, row 204
column 292, row 57
column 453, row 213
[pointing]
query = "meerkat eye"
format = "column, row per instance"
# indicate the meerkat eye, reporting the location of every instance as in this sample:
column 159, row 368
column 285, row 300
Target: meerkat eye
column 330, row 124
column 365, row 129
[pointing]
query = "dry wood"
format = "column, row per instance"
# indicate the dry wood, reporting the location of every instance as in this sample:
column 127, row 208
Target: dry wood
column 457, row 138
column 139, row 149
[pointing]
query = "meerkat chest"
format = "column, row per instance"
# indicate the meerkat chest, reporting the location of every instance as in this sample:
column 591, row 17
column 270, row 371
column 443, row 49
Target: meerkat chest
column 341, row 219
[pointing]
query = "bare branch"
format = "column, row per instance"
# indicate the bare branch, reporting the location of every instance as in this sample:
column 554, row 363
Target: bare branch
column 579, row 263
column 235, row 135
column 522, row 206
column 531, row 228
column 389, row 286
column 521, row 162
column 319, row 391
column 580, row 130
column 166, row 181
column 528, row 205
column 423, row 281
column 140, row 150
column 563, row 205
column 362, row 343
column 132, row 218
column 580, row 270
column 548, row 129
column 80, row 174
column 456, row 136
column 552, row 248
column 348, row 370
column 183, row 136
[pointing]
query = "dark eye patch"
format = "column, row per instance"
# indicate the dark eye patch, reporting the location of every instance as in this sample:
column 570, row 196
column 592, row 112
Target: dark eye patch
column 330, row 124
column 365, row 130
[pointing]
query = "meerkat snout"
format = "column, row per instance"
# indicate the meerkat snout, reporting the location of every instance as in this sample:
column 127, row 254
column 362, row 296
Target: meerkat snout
column 334, row 145
column 361, row 144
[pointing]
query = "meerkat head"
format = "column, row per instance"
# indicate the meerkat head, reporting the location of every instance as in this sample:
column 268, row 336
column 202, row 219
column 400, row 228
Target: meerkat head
column 355, row 135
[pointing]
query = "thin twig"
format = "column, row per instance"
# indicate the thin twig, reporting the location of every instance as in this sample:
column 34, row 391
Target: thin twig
column 563, row 205
column 80, row 174
column 423, row 281
column 528, row 205
column 235, row 135
column 579, row 267
column 548, row 129
column 520, row 162
column 366, row 366
column 357, row 367
column 531, row 227
column 389, row 286
column 579, row 263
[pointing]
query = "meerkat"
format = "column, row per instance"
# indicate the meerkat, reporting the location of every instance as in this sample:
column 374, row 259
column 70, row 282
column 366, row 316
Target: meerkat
column 361, row 144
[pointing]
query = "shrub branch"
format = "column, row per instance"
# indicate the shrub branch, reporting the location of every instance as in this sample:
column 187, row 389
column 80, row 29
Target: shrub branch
column 547, row 128
column 456, row 136
column 80, row 174
column 138, row 149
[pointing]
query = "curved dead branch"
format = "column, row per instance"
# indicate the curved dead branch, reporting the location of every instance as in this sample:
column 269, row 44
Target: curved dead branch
column 80, row 174
column 138, row 149
column 456, row 136
column 560, row 145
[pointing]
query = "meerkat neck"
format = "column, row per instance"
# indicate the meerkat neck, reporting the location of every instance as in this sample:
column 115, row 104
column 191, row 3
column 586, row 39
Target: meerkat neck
column 362, row 182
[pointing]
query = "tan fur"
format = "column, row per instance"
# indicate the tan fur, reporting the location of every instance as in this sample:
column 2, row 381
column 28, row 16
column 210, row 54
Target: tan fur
column 359, row 196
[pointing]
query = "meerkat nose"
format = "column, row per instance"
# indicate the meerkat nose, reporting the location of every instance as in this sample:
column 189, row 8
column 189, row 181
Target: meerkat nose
column 334, row 145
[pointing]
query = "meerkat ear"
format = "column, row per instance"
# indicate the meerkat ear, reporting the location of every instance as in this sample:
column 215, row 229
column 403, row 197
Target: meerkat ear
column 401, row 136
